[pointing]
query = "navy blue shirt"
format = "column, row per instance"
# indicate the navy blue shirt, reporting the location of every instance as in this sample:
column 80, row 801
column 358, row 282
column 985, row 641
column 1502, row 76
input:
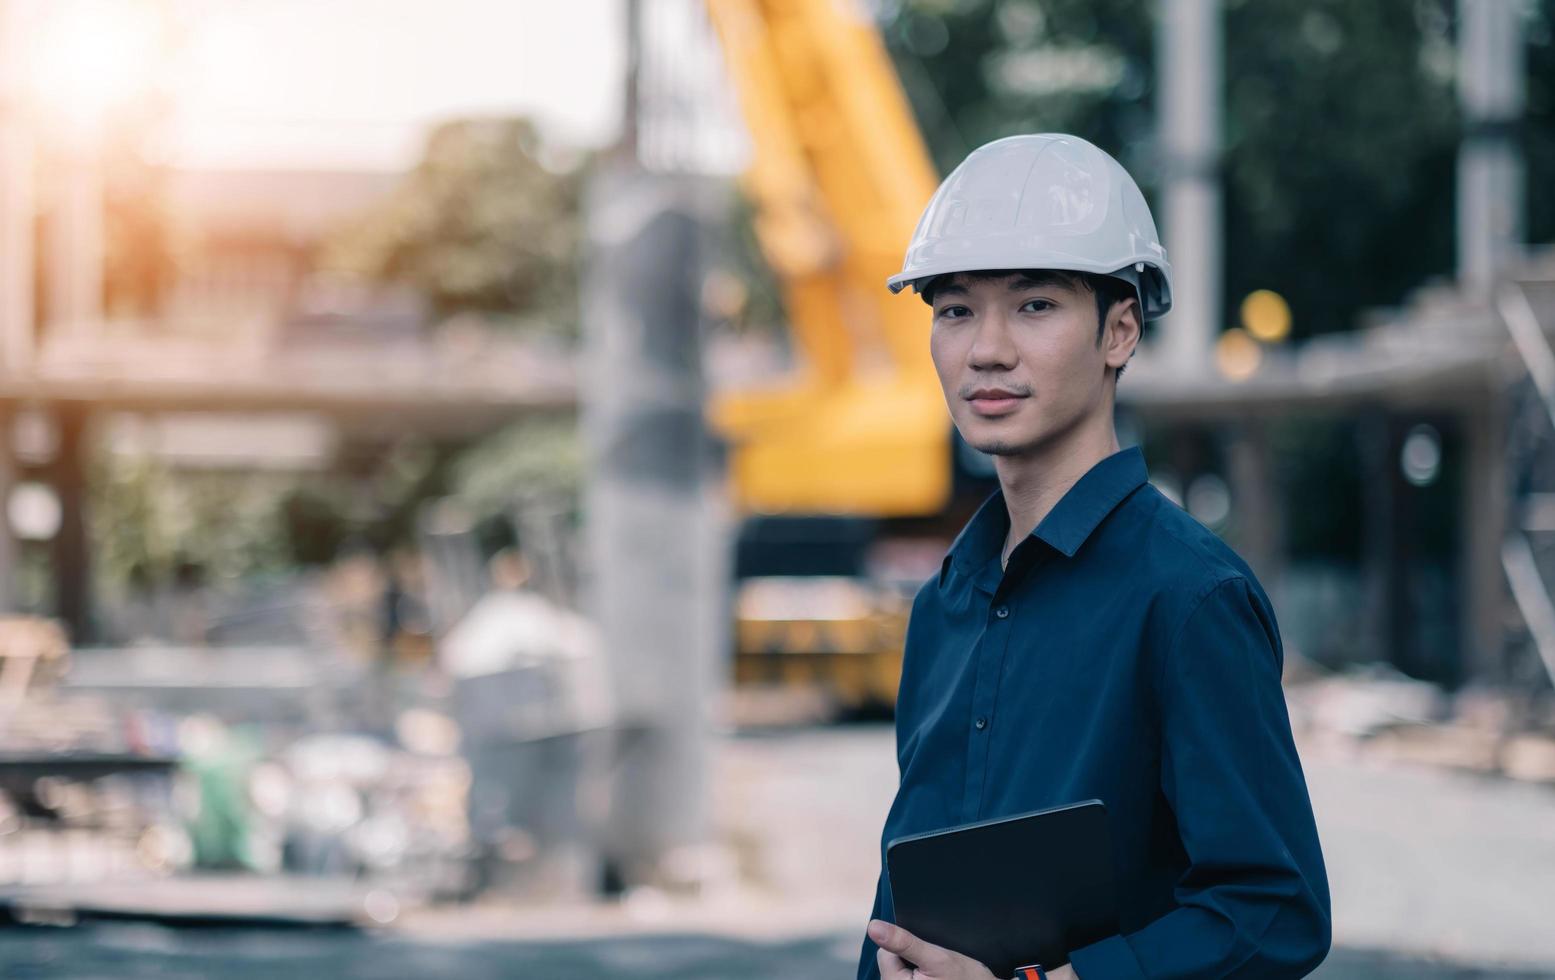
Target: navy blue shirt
column 1127, row 654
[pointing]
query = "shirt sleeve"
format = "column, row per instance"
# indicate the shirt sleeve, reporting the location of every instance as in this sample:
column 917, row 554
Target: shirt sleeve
column 869, row 962
column 1253, row 901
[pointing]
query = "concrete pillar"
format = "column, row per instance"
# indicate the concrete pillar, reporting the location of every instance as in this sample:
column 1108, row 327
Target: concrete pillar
column 1490, row 165
column 1483, row 527
column 1377, row 450
column 1259, row 507
column 9, row 593
column 16, row 204
column 656, row 526
column 1190, row 63
column 72, row 560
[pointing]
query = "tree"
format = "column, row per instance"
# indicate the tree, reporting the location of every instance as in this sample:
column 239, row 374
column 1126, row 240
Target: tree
column 480, row 225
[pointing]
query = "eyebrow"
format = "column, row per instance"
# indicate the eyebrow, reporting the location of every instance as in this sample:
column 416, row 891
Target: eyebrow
column 1043, row 279
column 1016, row 284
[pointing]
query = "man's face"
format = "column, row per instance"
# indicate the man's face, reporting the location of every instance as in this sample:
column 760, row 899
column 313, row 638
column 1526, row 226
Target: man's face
column 1018, row 358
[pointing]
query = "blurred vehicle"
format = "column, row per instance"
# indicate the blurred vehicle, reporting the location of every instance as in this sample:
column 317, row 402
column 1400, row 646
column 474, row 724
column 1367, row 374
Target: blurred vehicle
column 815, row 605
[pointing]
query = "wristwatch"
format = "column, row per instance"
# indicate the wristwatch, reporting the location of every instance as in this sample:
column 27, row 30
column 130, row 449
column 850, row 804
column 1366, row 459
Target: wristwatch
column 1031, row 972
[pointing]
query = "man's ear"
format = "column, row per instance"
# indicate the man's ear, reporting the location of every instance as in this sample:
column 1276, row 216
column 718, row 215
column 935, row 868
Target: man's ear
column 1122, row 332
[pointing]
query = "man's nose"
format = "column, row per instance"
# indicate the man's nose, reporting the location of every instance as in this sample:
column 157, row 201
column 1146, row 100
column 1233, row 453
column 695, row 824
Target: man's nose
column 992, row 346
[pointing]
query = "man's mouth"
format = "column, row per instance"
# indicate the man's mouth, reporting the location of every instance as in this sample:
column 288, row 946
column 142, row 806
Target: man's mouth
column 994, row 401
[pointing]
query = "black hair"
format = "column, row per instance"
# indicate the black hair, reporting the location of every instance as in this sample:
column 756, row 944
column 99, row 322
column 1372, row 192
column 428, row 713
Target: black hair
column 1108, row 290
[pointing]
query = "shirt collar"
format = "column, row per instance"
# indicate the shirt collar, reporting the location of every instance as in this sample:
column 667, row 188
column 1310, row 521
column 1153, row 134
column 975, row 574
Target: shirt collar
column 1066, row 527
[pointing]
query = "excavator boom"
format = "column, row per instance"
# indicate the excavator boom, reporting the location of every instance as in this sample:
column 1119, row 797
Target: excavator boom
column 838, row 176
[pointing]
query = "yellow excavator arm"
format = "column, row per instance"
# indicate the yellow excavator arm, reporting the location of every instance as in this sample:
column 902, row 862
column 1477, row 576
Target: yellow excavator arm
column 838, row 176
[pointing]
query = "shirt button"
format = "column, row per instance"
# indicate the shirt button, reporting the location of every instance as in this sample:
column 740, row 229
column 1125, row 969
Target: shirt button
column 1002, row 612
column 982, row 723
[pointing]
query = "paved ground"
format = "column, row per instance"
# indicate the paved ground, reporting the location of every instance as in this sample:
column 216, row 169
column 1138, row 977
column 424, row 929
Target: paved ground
column 1437, row 862
column 1434, row 875
column 132, row 952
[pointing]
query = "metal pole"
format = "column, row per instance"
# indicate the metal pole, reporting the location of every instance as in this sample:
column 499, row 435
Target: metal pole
column 631, row 113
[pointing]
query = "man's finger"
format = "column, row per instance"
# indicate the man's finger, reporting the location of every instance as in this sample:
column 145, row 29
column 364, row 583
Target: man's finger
column 903, row 943
column 892, row 967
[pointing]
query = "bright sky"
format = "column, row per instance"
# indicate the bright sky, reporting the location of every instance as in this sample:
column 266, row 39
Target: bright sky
column 353, row 84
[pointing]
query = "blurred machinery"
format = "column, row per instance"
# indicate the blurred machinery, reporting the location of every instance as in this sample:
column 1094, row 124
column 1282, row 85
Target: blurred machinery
column 135, row 765
column 823, row 601
column 82, row 790
column 850, row 461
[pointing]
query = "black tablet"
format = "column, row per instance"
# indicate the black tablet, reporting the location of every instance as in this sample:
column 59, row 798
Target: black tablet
column 1010, row 891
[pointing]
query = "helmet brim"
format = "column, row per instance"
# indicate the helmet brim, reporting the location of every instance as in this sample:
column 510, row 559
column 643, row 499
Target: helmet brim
column 1150, row 283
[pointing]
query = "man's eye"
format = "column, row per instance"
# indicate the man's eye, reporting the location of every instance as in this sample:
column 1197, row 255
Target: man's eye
column 954, row 312
column 1040, row 304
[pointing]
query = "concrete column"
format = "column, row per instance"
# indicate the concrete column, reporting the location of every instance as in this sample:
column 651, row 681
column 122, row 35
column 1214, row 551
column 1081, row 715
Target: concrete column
column 16, row 204
column 1190, row 63
column 1490, row 165
column 657, row 531
column 1260, row 513
column 9, row 592
column 72, row 559
column 1377, row 450
column 1483, row 526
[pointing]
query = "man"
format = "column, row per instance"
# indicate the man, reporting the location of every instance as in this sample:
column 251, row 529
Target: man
column 1085, row 637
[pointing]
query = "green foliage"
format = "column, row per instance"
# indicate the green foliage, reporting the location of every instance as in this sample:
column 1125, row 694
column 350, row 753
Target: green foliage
column 150, row 524
column 536, row 459
column 479, row 226
column 371, row 498
column 978, row 70
column 1342, row 132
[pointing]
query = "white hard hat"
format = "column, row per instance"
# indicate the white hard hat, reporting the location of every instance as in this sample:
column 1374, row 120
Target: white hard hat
column 1040, row 201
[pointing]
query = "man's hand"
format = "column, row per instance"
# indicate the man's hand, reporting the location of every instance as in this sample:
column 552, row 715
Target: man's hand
column 903, row 956
column 901, row 951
